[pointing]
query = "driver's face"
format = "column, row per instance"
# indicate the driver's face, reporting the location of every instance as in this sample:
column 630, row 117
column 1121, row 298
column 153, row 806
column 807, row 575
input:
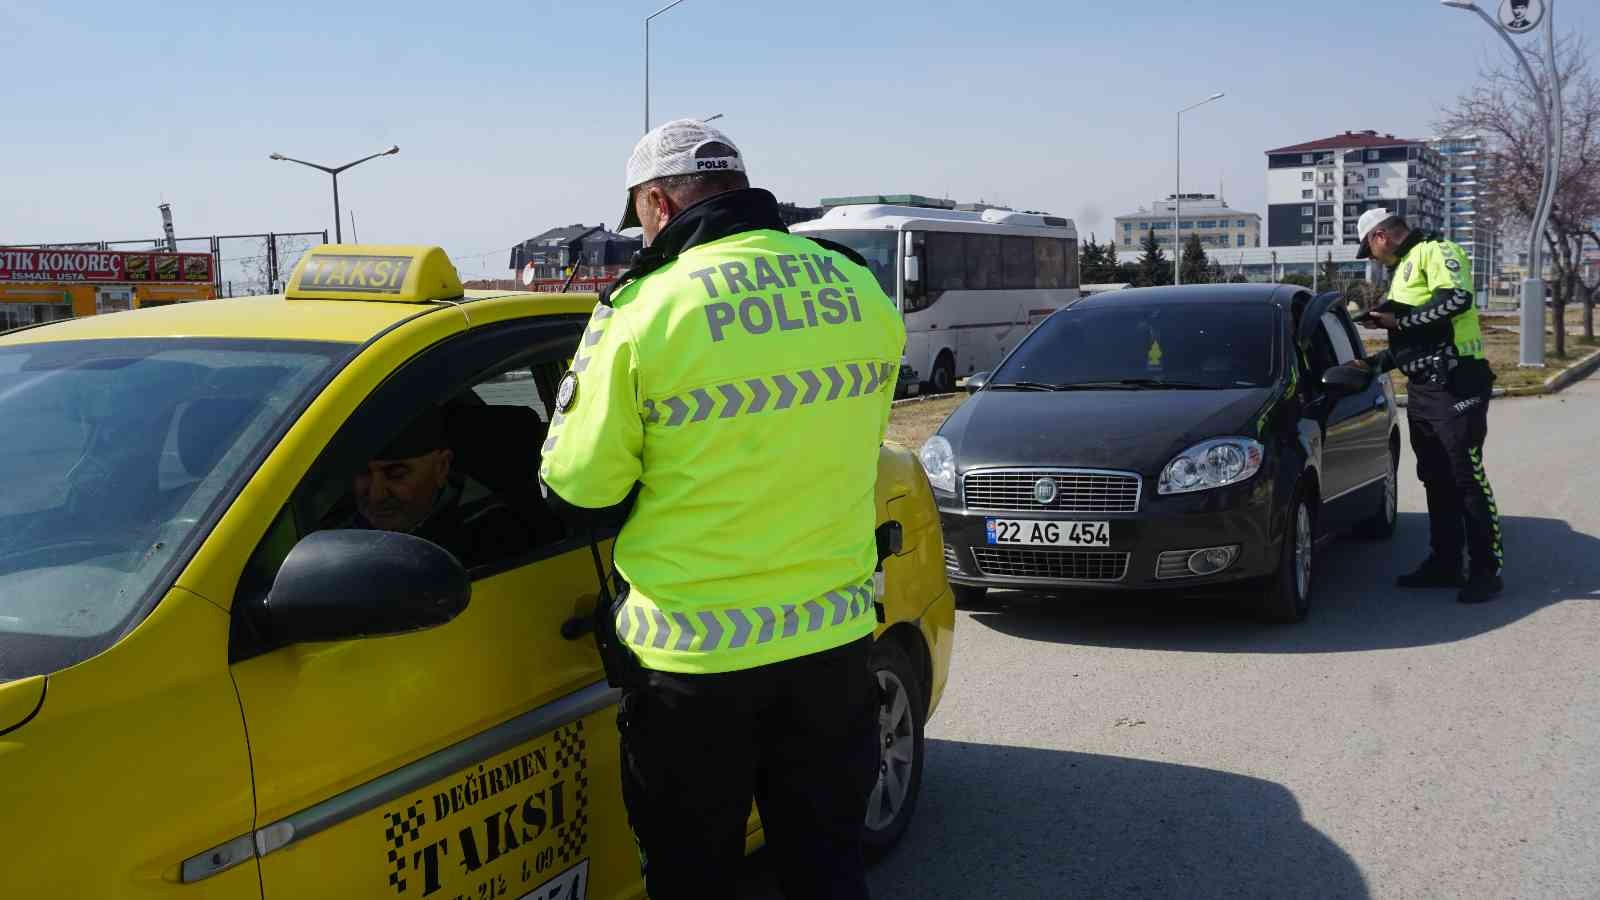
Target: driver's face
column 397, row 494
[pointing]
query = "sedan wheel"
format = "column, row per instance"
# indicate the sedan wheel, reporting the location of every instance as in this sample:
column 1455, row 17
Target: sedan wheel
column 1302, row 551
column 1286, row 596
column 893, row 798
column 1380, row 525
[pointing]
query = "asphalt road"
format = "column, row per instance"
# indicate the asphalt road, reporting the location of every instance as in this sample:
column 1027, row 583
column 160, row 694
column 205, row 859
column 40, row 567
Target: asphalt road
column 1396, row 744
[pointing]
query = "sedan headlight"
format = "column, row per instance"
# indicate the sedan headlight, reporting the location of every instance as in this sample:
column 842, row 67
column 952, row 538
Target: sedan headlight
column 939, row 461
column 1211, row 464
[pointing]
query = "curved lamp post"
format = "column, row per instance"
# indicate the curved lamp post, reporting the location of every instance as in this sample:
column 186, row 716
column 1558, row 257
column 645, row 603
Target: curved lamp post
column 338, row 231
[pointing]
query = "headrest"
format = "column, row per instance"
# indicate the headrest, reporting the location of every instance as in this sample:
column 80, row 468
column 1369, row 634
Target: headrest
column 208, row 427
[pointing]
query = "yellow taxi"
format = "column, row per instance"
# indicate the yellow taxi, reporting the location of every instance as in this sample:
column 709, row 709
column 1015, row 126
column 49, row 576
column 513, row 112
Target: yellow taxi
column 211, row 685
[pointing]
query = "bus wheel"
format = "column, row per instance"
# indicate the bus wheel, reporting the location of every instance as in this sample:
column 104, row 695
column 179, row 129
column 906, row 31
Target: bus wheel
column 944, row 374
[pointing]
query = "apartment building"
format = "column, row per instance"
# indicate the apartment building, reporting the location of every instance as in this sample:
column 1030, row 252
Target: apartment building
column 1318, row 189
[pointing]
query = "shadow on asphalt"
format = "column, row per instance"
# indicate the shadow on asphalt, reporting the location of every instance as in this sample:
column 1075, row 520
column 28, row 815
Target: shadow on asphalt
column 1355, row 606
column 1017, row 822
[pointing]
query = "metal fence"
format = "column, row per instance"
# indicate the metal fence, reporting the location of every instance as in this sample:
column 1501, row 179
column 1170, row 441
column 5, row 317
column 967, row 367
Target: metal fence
column 244, row 264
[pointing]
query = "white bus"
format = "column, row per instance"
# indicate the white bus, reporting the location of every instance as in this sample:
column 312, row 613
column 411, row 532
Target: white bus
column 970, row 284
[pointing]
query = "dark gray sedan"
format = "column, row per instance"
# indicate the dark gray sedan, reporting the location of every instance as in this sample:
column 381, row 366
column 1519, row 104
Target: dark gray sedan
column 1177, row 437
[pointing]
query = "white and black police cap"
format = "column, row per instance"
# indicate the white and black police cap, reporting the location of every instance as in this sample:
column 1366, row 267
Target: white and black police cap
column 679, row 147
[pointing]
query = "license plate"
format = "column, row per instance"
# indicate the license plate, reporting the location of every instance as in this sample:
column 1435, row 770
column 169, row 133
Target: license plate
column 1047, row 534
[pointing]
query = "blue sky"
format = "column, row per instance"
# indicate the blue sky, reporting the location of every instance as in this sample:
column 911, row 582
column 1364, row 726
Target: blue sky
column 516, row 116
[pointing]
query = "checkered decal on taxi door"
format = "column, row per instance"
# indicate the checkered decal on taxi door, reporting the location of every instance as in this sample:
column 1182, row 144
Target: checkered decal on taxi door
column 572, row 754
column 400, row 830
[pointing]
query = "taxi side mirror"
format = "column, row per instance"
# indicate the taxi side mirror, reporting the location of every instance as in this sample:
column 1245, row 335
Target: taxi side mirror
column 976, row 381
column 343, row 584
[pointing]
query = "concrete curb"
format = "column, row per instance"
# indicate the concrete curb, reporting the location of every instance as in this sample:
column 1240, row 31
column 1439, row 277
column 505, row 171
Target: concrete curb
column 923, row 397
column 1555, row 384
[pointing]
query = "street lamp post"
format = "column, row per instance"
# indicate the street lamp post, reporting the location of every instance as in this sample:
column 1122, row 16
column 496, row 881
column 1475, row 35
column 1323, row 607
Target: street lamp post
column 1532, row 344
column 1177, row 191
column 647, row 60
column 338, row 230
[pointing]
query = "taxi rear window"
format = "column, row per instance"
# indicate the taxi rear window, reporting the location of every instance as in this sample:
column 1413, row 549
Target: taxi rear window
column 116, row 452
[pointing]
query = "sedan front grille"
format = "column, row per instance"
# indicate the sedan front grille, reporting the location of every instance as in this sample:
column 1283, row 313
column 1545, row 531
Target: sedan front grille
column 951, row 562
column 1076, row 490
column 1067, row 565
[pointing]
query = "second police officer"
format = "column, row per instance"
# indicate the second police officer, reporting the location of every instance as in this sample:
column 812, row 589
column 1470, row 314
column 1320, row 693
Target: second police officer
column 727, row 404
column 1435, row 339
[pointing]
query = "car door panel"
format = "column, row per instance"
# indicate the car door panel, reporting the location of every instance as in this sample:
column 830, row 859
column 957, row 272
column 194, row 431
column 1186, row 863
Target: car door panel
column 1346, row 420
column 452, row 762
column 1359, row 440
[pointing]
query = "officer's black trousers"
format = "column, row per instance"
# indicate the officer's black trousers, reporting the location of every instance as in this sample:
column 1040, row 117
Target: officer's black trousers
column 1447, row 435
column 800, row 737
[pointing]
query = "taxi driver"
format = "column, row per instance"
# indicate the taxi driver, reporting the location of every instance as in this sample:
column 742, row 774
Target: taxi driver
column 401, row 487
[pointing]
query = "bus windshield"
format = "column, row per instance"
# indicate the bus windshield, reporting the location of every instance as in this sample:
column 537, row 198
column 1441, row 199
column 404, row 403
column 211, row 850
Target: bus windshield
column 878, row 247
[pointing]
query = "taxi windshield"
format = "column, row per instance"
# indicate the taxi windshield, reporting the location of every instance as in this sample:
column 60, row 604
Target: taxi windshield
column 1179, row 345
column 129, row 445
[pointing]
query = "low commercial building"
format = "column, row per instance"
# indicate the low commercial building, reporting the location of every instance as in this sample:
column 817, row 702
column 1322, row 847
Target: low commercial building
column 1273, row 263
column 44, row 284
column 1219, row 225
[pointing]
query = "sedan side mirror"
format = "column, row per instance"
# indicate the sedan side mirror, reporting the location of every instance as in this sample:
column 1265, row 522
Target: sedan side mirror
column 976, row 381
column 1345, row 380
column 342, row 584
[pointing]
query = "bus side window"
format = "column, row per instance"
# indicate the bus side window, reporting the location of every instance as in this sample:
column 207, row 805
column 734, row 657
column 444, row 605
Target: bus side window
column 983, row 262
column 1050, row 264
column 1018, row 256
column 1069, row 249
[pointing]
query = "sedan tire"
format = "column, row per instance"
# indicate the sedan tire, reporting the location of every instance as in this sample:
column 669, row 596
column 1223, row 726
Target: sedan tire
column 968, row 597
column 901, row 713
column 1380, row 525
column 1286, row 596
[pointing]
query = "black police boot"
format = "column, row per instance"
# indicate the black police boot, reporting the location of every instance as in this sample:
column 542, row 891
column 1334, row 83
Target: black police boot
column 1481, row 589
column 1432, row 574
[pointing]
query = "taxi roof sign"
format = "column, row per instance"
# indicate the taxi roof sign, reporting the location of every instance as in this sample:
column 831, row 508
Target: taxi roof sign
column 394, row 273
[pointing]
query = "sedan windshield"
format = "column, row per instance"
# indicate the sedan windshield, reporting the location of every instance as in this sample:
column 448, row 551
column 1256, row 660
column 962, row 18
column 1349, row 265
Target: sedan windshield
column 1136, row 347
column 114, row 453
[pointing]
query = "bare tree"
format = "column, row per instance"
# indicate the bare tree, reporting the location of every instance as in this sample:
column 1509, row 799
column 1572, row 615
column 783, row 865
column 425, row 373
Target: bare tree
column 1505, row 110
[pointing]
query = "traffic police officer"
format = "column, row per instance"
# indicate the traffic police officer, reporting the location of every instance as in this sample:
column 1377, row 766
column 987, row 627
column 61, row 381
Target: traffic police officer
column 1435, row 339
column 729, row 398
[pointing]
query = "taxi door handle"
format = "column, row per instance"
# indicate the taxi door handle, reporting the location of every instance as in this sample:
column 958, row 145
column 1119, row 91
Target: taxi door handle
column 576, row 627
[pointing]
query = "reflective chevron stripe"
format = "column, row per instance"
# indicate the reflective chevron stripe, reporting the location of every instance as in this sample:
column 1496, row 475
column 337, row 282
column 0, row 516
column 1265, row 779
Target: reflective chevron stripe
column 1459, row 302
column 1478, row 475
column 752, row 396
column 592, row 334
column 642, row 625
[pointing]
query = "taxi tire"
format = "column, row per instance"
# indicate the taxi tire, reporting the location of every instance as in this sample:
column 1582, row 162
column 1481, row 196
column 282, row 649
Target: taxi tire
column 1281, row 599
column 890, row 665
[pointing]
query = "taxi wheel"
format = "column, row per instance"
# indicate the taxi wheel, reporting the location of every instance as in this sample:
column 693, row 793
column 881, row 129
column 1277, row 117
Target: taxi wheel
column 893, row 798
column 1286, row 596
